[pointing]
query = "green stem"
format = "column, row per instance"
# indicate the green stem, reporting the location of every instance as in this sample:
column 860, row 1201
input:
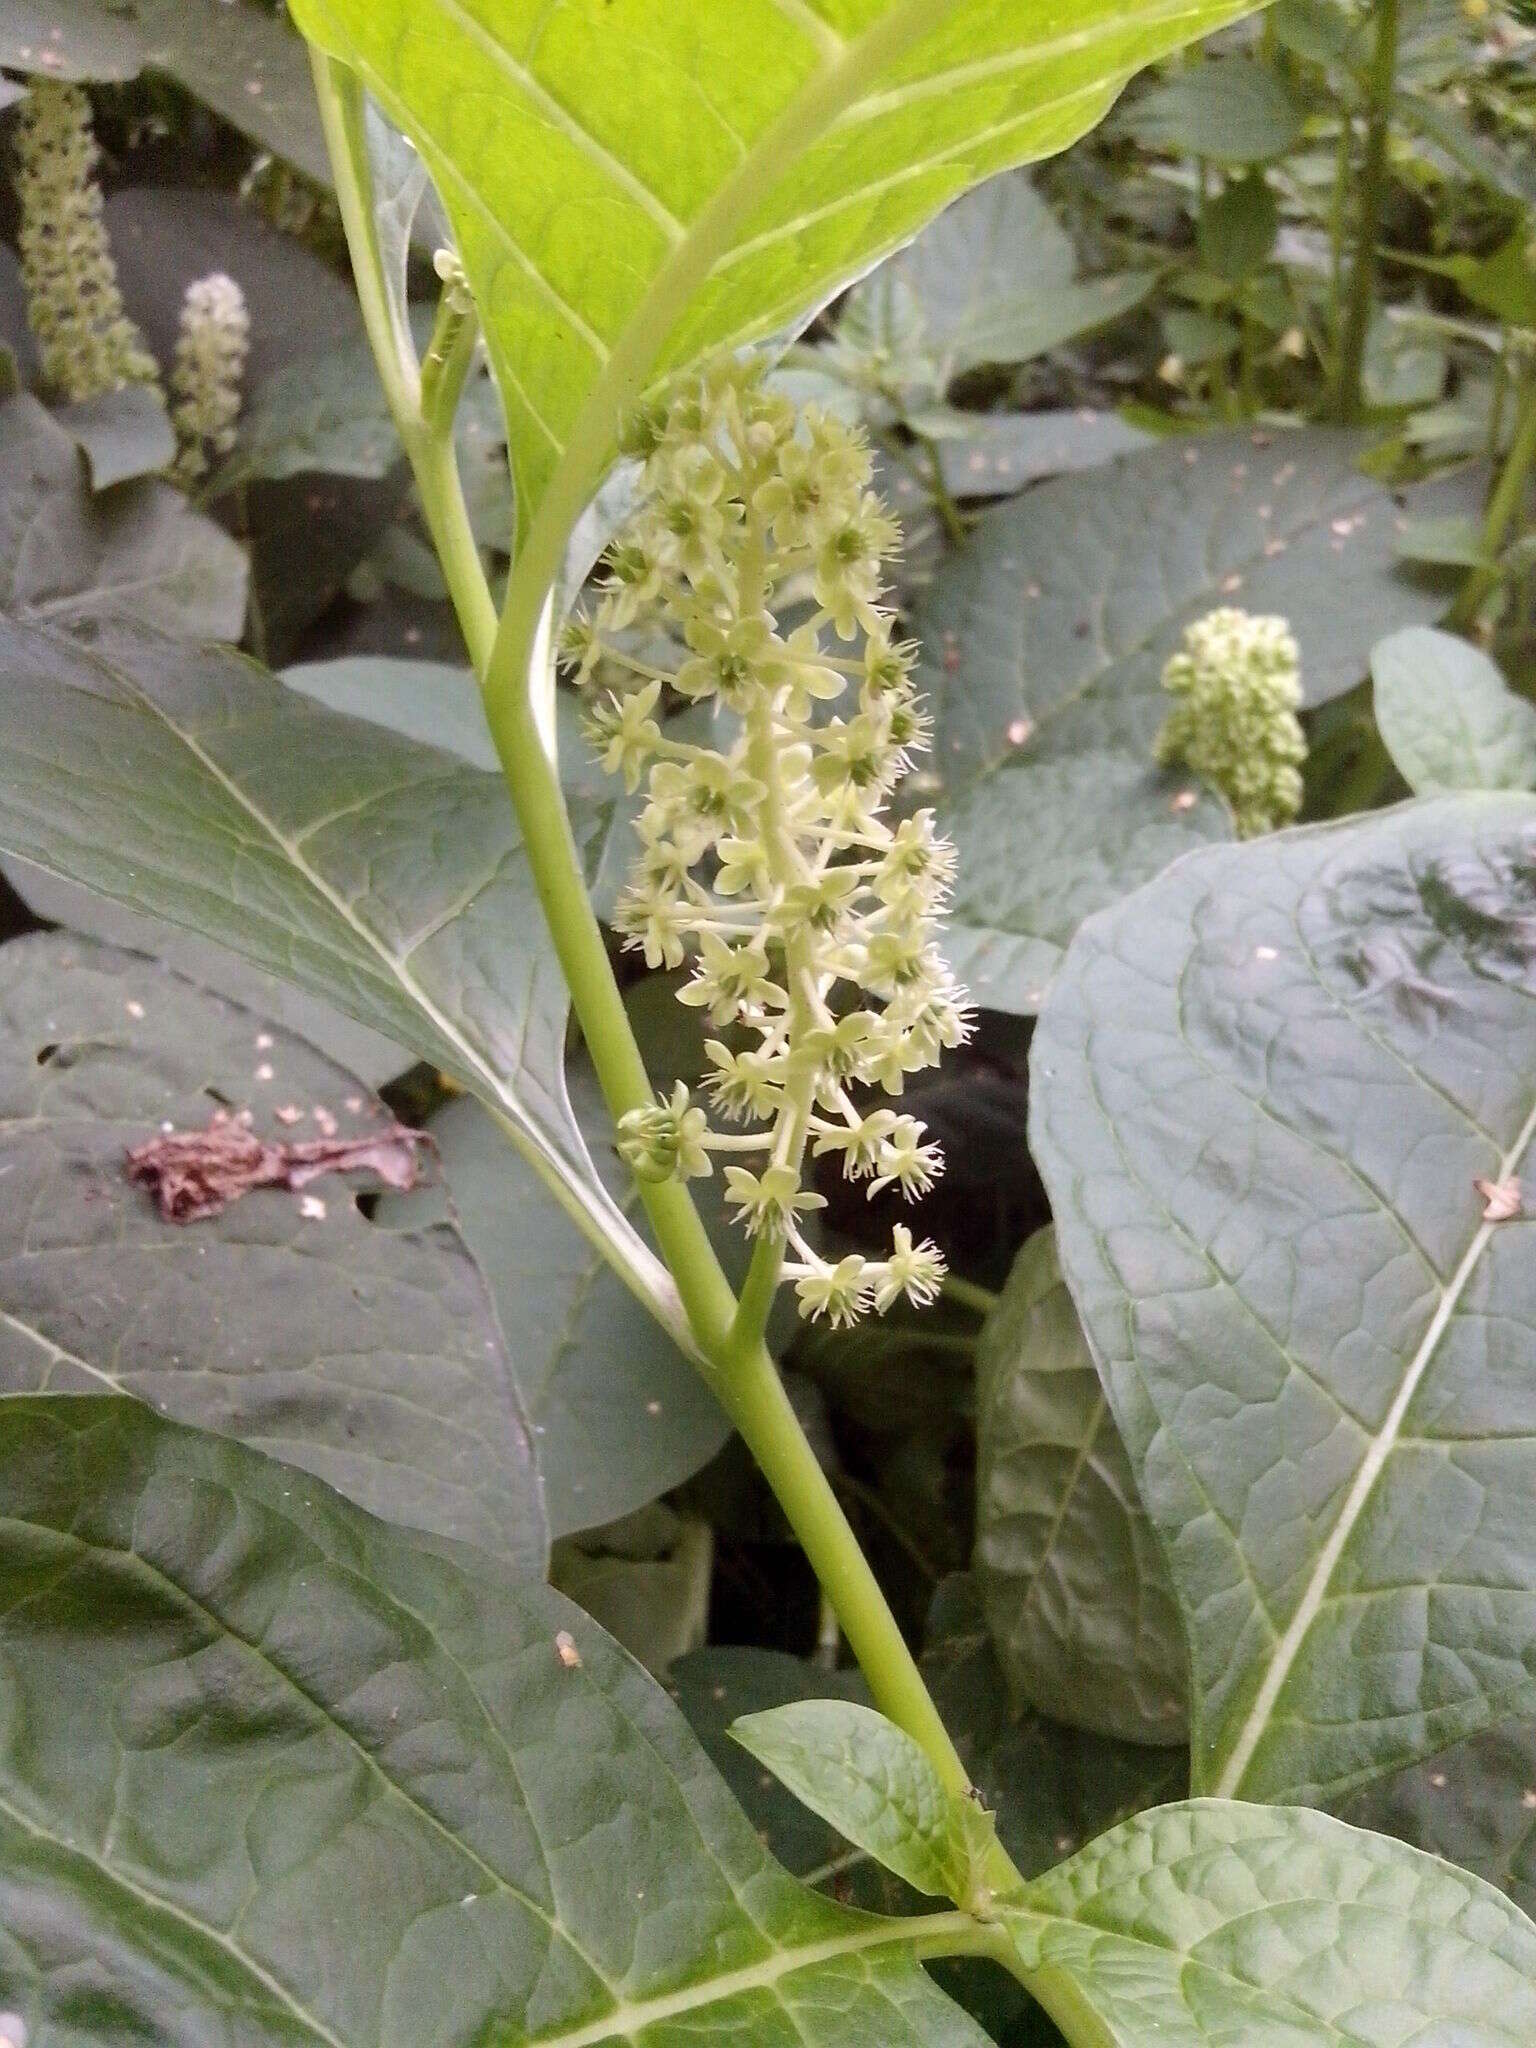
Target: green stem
column 1503, row 508
column 969, row 1294
column 1373, row 183
column 508, row 659
column 950, row 515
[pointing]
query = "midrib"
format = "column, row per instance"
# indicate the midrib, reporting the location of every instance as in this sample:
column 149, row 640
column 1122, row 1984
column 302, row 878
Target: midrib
column 627, row 2021
column 1290, row 1645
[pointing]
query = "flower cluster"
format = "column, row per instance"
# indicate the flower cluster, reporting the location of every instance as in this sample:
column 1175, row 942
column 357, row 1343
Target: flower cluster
column 86, row 342
column 1238, row 685
column 211, row 349
column 766, row 858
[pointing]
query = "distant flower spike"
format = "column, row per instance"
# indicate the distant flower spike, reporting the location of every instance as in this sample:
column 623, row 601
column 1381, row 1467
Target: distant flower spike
column 765, row 859
column 211, row 350
column 1237, row 686
column 86, row 343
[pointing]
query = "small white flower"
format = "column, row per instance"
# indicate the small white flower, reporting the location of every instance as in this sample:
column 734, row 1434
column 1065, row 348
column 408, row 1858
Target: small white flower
column 766, row 856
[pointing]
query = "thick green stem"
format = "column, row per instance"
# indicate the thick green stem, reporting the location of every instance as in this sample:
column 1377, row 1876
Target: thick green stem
column 1373, row 185
column 969, row 1295
column 509, row 660
column 1503, row 507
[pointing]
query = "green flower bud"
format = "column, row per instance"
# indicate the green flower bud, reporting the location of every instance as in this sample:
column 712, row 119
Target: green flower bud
column 1237, row 686
column 86, row 343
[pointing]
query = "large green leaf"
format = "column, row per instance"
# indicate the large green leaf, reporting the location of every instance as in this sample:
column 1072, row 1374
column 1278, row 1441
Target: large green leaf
column 1448, row 718
column 620, row 1415
column 1231, row 109
column 140, row 552
column 1474, row 1804
column 1052, row 1787
column 378, row 873
column 871, row 1781
column 633, row 186
column 1044, row 644
column 366, row 1354
column 645, row 1579
column 230, row 53
column 1263, row 1089
column 1075, row 1589
column 992, row 280
column 1214, row 1924
column 276, row 1773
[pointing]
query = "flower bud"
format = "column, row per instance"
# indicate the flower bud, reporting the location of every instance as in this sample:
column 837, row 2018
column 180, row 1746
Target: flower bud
column 1237, row 686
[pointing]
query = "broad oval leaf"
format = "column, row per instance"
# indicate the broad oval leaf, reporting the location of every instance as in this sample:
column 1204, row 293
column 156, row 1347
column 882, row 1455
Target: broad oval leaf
column 276, row 1773
column 992, row 280
column 1231, row 109
column 140, row 553
column 1221, row 1923
column 1076, row 1593
column 870, row 1780
column 633, row 186
column 1051, row 1787
column 1448, row 718
column 122, row 434
column 1474, row 1804
column 1281, row 1098
column 381, row 874
column 366, row 1354
column 620, row 1415
column 1044, row 642
column 231, row 54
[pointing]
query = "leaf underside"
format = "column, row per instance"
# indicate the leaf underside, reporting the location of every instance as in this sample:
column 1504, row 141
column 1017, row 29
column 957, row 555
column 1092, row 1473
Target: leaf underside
column 633, row 187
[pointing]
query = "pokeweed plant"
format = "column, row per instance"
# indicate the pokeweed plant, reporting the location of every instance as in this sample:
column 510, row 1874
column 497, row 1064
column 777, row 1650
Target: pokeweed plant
column 332, row 1781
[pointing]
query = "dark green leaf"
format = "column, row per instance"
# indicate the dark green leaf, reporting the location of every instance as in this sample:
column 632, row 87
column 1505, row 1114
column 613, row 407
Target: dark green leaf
column 372, row 1058
column 1000, row 453
column 384, row 876
column 366, row 1354
column 140, row 553
column 1237, row 230
column 1474, row 1804
column 1449, row 719
column 716, row 1687
column 232, row 54
column 1052, row 1787
column 1044, row 644
column 323, row 413
column 1262, row 1091
column 123, row 434
column 992, row 280
column 1231, row 109
column 1076, row 1592
column 645, row 1580
column 280, row 1776
column 1273, row 1927
column 620, row 1415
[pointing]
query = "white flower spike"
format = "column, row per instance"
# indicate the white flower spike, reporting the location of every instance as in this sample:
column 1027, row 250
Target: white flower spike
column 766, row 858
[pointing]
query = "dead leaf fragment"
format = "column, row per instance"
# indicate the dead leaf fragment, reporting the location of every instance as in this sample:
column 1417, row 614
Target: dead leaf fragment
column 565, row 1646
column 196, row 1174
column 1501, row 1199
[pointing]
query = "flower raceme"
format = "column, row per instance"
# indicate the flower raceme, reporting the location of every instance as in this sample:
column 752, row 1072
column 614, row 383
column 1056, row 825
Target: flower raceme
column 766, row 859
column 87, row 345
column 1236, row 683
column 211, row 351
